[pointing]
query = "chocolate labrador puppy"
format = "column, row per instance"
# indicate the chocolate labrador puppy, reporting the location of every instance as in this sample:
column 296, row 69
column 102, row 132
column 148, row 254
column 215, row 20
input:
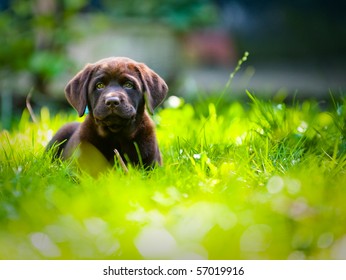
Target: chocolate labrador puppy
column 118, row 92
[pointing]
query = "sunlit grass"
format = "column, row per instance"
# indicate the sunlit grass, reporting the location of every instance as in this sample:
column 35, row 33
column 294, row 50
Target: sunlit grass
column 264, row 181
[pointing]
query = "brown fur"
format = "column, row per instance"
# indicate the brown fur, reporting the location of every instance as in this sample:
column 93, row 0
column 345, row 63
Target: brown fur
column 118, row 117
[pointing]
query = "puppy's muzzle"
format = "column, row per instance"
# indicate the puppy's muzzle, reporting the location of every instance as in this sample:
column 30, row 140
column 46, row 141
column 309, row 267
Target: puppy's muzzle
column 112, row 101
column 115, row 106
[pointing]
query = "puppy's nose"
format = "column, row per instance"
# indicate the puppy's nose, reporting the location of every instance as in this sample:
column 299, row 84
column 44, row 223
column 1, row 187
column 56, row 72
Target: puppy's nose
column 113, row 101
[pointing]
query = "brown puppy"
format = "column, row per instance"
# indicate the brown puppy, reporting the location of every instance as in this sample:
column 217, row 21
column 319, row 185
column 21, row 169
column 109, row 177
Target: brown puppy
column 117, row 91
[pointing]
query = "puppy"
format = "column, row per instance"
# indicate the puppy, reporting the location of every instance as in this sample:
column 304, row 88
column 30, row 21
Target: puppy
column 118, row 92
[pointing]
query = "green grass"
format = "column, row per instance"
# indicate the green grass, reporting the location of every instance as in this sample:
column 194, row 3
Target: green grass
column 261, row 180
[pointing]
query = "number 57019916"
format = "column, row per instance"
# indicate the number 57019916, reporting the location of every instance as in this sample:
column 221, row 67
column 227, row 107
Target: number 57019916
column 223, row 270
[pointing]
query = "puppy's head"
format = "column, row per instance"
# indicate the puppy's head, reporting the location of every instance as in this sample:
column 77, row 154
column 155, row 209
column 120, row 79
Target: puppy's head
column 116, row 91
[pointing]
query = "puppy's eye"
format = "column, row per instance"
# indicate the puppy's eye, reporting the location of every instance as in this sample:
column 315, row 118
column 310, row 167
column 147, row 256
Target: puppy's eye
column 100, row 85
column 128, row 85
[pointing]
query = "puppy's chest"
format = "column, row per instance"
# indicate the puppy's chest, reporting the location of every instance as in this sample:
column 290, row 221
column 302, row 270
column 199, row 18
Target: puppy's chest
column 125, row 147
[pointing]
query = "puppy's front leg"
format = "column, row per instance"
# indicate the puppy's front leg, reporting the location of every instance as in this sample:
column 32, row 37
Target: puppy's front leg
column 90, row 159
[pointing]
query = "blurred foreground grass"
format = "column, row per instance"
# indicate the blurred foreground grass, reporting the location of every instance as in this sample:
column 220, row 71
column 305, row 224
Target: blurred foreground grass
column 265, row 181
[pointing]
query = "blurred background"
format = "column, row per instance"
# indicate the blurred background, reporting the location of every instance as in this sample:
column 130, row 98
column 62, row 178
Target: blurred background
column 297, row 47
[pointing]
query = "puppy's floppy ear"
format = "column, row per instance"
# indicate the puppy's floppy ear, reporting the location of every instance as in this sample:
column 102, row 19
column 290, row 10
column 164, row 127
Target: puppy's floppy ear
column 155, row 88
column 76, row 90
